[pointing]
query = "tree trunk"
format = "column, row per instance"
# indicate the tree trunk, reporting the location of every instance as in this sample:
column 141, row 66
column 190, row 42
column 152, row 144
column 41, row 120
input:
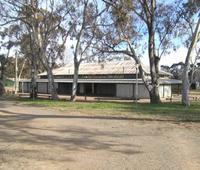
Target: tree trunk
column 154, row 70
column 16, row 75
column 185, row 88
column 154, row 95
column 75, row 81
column 2, row 89
column 153, row 59
column 51, row 85
column 154, row 92
column 185, row 79
column 33, row 91
column 2, row 71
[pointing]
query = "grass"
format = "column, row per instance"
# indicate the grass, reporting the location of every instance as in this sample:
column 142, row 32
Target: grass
column 167, row 110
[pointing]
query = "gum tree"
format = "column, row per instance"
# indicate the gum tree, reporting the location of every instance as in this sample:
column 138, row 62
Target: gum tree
column 191, row 22
column 137, row 27
column 83, row 18
column 42, row 21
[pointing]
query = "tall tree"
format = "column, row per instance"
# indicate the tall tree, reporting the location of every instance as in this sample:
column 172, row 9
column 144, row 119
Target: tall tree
column 83, row 19
column 14, row 12
column 6, row 43
column 133, row 27
column 190, row 12
column 42, row 21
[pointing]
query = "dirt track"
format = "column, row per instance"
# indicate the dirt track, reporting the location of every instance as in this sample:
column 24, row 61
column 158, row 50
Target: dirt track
column 42, row 139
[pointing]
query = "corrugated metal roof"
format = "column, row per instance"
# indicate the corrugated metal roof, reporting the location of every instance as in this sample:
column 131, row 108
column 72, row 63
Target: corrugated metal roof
column 170, row 81
column 116, row 67
column 129, row 81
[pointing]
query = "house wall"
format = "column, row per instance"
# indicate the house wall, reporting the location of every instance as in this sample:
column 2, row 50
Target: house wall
column 81, row 88
column 102, row 89
column 161, row 91
column 124, row 90
column 143, row 93
column 164, row 91
column 167, row 91
column 42, row 88
column 64, row 88
column 24, row 87
column 56, row 86
column 20, row 86
column 97, row 89
column 176, row 88
column 197, row 84
column 105, row 89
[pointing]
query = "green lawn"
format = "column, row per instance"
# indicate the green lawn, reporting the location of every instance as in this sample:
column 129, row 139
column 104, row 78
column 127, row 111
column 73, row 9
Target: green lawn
column 171, row 110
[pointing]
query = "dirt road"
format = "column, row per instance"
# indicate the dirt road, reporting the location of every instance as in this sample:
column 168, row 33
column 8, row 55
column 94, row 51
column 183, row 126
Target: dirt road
column 43, row 139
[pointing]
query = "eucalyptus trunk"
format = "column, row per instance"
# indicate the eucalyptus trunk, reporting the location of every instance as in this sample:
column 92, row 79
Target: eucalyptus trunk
column 33, row 88
column 75, row 81
column 185, row 88
column 185, row 78
column 154, row 91
column 2, row 89
column 154, row 67
column 51, row 84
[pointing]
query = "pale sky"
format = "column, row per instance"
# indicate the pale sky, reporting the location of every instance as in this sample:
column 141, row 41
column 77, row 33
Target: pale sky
column 169, row 59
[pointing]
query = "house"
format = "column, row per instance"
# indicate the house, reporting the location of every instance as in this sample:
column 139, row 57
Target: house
column 196, row 79
column 110, row 79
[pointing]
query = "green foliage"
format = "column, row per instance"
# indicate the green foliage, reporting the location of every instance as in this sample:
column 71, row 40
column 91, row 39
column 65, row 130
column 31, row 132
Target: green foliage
column 9, row 83
column 191, row 7
column 121, row 13
column 10, row 67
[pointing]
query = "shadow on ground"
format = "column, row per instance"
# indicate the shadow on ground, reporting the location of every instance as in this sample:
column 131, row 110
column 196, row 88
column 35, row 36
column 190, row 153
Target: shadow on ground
column 22, row 136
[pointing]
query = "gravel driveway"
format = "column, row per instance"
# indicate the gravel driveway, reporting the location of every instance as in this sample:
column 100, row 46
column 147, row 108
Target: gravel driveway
column 42, row 139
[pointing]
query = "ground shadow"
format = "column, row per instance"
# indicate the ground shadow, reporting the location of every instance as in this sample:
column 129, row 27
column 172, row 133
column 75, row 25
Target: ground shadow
column 15, row 128
column 22, row 116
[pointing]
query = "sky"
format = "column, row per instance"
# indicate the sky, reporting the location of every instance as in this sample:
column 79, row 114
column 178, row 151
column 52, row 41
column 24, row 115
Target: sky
column 174, row 57
column 168, row 59
column 171, row 58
